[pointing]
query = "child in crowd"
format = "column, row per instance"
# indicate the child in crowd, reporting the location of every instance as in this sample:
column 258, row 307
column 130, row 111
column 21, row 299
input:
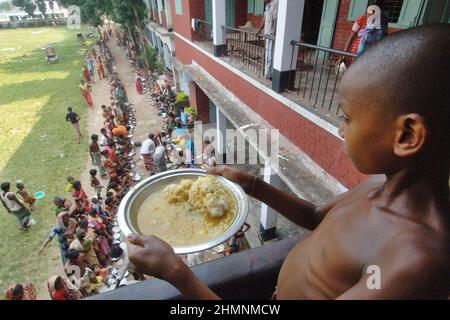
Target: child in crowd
column 95, row 183
column 27, row 198
column 69, row 186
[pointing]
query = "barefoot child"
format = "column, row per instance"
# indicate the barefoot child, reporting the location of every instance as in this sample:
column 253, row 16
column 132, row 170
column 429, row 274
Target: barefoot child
column 96, row 155
column 74, row 119
column 27, row 198
column 95, row 183
column 395, row 99
column 69, row 186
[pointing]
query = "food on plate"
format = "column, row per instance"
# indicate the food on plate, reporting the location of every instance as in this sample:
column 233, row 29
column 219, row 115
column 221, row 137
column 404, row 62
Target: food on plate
column 188, row 212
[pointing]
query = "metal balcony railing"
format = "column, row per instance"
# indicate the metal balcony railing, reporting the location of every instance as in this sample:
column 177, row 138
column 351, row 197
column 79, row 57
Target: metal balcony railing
column 204, row 30
column 247, row 49
column 317, row 75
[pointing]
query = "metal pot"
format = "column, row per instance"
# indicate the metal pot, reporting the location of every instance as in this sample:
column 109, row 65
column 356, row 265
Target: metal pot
column 130, row 204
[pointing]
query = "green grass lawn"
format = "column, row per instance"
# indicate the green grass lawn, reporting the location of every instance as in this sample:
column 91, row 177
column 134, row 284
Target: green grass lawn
column 36, row 144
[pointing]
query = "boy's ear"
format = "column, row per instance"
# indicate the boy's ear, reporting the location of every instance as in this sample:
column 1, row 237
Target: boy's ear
column 411, row 135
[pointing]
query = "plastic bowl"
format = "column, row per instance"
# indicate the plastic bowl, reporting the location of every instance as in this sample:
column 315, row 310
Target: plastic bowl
column 39, row 195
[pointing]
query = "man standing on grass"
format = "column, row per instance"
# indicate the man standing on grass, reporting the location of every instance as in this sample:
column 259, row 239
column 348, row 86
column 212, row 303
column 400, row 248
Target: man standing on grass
column 14, row 206
column 74, row 120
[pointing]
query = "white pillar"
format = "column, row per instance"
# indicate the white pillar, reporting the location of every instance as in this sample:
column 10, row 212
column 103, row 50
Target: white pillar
column 154, row 40
column 184, row 82
column 221, row 142
column 219, row 20
column 289, row 27
column 268, row 220
column 167, row 56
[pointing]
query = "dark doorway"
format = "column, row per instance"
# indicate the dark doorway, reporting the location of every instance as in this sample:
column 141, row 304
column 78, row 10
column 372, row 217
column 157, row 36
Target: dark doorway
column 312, row 17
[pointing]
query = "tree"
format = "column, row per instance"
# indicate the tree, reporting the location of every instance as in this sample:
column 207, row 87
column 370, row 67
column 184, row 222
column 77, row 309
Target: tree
column 52, row 7
column 27, row 5
column 129, row 14
column 5, row 6
column 18, row 3
column 29, row 8
column 42, row 7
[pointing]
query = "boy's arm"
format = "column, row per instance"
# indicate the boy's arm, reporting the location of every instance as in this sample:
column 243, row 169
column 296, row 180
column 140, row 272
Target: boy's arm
column 152, row 256
column 44, row 245
column 301, row 212
column 14, row 198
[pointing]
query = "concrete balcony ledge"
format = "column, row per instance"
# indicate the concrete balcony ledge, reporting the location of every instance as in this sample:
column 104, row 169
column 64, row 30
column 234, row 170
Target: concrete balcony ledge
column 159, row 29
column 250, row 274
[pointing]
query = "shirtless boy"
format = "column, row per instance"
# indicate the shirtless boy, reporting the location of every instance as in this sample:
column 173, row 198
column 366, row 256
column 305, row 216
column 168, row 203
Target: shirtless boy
column 395, row 98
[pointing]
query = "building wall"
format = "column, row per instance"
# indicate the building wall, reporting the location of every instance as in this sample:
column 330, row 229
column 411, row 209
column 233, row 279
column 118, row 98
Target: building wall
column 156, row 16
column 321, row 146
column 164, row 20
column 182, row 22
column 197, row 10
column 200, row 101
column 241, row 13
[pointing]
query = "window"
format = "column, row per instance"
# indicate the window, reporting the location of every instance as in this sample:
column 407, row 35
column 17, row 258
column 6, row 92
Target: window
column 178, row 7
column 393, row 8
column 256, row 7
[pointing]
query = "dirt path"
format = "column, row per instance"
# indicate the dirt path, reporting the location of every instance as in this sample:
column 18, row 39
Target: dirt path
column 147, row 121
column 146, row 115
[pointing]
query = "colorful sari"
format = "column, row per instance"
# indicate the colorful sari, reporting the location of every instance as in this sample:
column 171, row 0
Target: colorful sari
column 86, row 95
column 139, row 86
column 69, row 292
column 82, row 200
column 87, row 75
column 29, row 292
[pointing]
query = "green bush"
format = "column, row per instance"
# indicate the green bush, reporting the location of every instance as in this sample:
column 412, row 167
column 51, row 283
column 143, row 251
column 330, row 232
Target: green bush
column 191, row 110
column 181, row 97
column 155, row 63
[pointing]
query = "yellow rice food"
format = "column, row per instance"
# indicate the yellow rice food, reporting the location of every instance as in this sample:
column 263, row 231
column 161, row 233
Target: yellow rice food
column 188, row 212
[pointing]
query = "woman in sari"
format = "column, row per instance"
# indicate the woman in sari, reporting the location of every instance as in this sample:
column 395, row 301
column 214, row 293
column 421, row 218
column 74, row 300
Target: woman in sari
column 139, row 86
column 60, row 288
column 109, row 165
column 373, row 23
column 109, row 126
column 100, row 69
column 86, row 94
column 25, row 291
column 87, row 75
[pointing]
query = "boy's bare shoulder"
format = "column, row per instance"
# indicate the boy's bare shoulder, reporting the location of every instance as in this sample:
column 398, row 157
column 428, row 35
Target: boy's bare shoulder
column 363, row 189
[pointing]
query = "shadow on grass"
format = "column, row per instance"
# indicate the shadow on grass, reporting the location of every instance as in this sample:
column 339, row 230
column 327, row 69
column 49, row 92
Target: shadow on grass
column 35, row 59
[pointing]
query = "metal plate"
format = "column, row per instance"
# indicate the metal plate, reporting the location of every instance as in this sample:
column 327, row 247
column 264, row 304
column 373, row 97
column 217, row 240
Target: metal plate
column 133, row 200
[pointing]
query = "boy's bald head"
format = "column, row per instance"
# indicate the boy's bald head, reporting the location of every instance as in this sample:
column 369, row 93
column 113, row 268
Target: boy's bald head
column 407, row 72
